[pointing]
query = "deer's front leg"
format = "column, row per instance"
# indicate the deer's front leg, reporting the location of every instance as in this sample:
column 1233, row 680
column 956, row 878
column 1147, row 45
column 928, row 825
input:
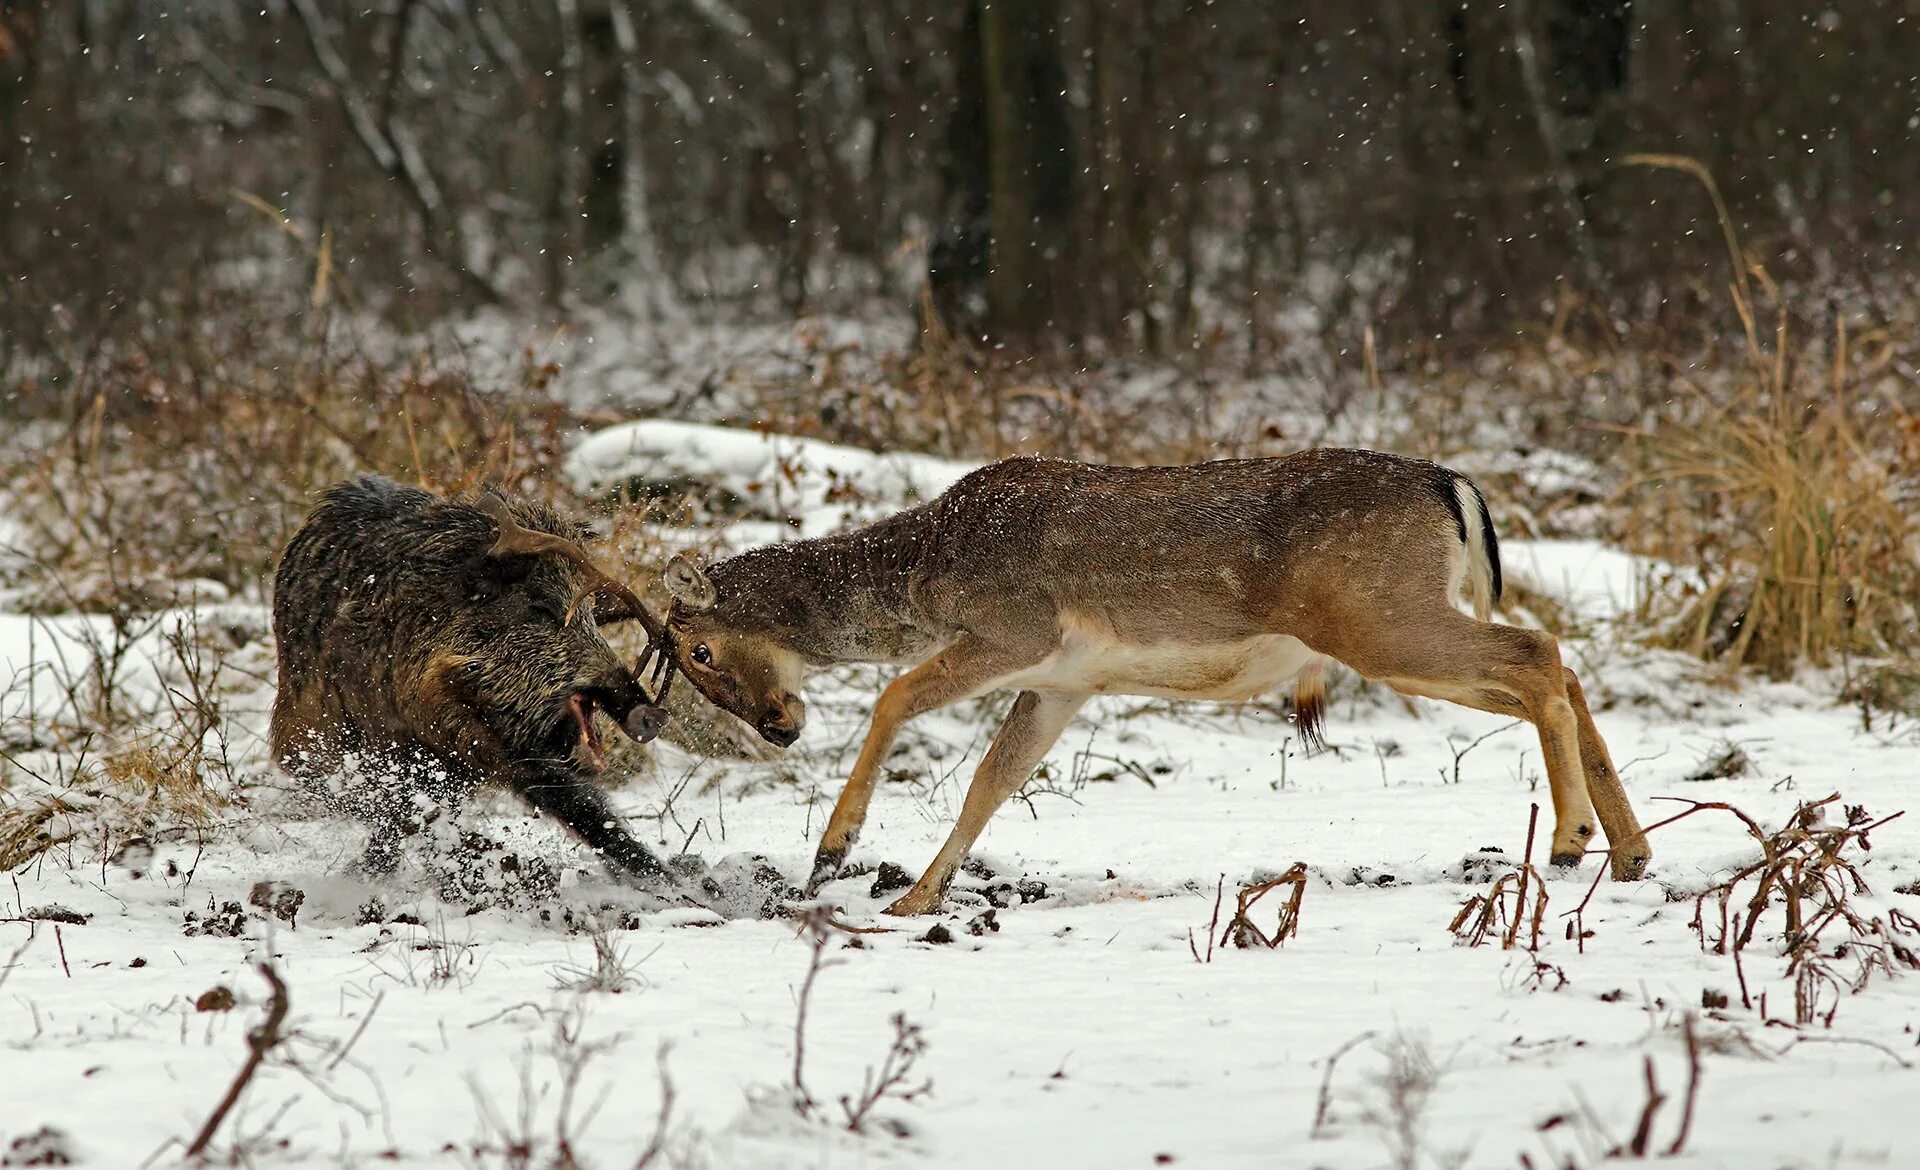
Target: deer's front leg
column 966, row 667
column 1031, row 728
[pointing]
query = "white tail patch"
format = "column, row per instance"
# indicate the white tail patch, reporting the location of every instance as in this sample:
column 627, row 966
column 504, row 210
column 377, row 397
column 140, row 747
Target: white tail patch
column 1479, row 580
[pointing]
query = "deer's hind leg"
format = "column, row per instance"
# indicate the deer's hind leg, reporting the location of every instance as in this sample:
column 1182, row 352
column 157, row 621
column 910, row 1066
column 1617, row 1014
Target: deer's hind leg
column 1627, row 843
column 1513, row 671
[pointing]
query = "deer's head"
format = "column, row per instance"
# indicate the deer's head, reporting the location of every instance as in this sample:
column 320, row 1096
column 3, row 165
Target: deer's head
column 733, row 657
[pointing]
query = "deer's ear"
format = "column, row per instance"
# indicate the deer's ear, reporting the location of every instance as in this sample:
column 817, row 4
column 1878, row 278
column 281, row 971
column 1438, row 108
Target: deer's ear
column 688, row 584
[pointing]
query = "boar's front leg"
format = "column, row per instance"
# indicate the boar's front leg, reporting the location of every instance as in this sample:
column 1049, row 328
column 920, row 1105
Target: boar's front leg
column 584, row 810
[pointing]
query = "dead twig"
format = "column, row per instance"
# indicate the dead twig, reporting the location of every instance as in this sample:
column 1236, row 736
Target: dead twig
column 1480, row 915
column 260, row 1042
column 1693, row 1089
column 1811, row 1038
column 1323, row 1104
column 664, row 1118
column 1460, row 753
column 1240, row 928
column 357, row 1032
column 13, row 960
column 1636, row 1146
column 890, row 1079
column 1213, row 923
column 909, row 1044
column 817, row 924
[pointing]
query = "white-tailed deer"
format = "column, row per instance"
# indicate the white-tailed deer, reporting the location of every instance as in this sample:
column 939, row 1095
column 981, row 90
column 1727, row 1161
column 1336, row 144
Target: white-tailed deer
column 1217, row 581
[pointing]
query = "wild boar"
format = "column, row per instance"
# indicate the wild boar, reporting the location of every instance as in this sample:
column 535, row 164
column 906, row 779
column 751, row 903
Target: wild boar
column 428, row 646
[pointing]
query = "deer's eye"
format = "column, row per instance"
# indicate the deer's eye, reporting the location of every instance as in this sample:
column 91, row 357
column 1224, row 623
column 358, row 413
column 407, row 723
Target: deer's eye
column 702, row 655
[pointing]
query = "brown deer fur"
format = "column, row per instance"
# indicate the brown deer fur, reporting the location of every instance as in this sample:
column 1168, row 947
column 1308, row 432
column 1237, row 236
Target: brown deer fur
column 1216, row 581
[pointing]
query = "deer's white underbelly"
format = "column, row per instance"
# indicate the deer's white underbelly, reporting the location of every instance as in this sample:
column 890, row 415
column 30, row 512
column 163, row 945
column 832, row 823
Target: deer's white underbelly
column 1090, row 663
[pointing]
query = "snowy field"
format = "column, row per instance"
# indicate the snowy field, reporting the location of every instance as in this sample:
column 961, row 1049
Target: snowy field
column 1077, row 1015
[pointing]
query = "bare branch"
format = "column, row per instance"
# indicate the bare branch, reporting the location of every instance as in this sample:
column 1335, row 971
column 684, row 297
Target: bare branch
column 394, row 150
column 260, row 1041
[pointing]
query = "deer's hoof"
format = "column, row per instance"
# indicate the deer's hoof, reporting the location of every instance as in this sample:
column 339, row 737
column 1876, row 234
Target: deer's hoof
column 1630, row 867
column 913, row 903
column 826, row 867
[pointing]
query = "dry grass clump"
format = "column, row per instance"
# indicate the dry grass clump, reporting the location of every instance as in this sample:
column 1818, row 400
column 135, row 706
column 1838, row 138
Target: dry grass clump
column 1790, row 503
column 112, row 756
column 28, row 828
column 947, row 396
column 1241, row 930
column 191, row 459
column 160, row 784
column 1793, row 494
column 1516, row 899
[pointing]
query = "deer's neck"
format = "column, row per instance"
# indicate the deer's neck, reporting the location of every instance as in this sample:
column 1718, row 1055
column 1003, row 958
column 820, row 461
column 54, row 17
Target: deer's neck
column 834, row 599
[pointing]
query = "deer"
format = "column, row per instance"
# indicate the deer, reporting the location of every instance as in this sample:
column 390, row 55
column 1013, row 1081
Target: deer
column 1062, row 580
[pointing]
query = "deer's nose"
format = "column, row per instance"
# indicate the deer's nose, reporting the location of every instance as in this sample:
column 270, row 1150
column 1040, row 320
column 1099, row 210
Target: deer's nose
column 783, row 722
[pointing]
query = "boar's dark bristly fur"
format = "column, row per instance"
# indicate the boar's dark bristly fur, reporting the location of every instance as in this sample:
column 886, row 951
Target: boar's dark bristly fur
column 418, row 660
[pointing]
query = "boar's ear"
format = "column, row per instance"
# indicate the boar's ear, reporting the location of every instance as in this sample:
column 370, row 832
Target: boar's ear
column 688, row 584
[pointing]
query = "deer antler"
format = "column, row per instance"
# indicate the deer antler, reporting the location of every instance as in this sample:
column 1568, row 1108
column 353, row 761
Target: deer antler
column 514, row 539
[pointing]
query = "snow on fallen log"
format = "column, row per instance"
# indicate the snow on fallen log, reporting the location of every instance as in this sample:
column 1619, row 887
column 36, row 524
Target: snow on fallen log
column 820, row 486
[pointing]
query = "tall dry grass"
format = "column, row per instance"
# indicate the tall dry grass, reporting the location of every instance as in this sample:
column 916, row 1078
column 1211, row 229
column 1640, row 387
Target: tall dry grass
column 1792, row 506
column 1788, row 483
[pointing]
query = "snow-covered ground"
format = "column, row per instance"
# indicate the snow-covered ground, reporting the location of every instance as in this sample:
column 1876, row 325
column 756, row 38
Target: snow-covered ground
column 1074, row 1029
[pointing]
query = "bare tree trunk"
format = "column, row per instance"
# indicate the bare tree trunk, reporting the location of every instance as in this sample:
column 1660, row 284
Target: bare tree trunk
column 957, row 256
column 1009, row 210
column 1758, row 132
column 1028, row 177
column 1107, row 166
column 20, row 30
column 1140, row 211
column 564, row 234
column 636, row 223
column 396, row 152
column 795, row 165
column 1560, row 171
column 19, row 66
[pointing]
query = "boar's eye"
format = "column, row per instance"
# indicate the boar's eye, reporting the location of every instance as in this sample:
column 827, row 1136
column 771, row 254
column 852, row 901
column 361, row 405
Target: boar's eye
column 702, row 655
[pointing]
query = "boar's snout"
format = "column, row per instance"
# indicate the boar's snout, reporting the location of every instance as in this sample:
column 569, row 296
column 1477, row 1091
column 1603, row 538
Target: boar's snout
column 644, row 722
column 617, row 693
